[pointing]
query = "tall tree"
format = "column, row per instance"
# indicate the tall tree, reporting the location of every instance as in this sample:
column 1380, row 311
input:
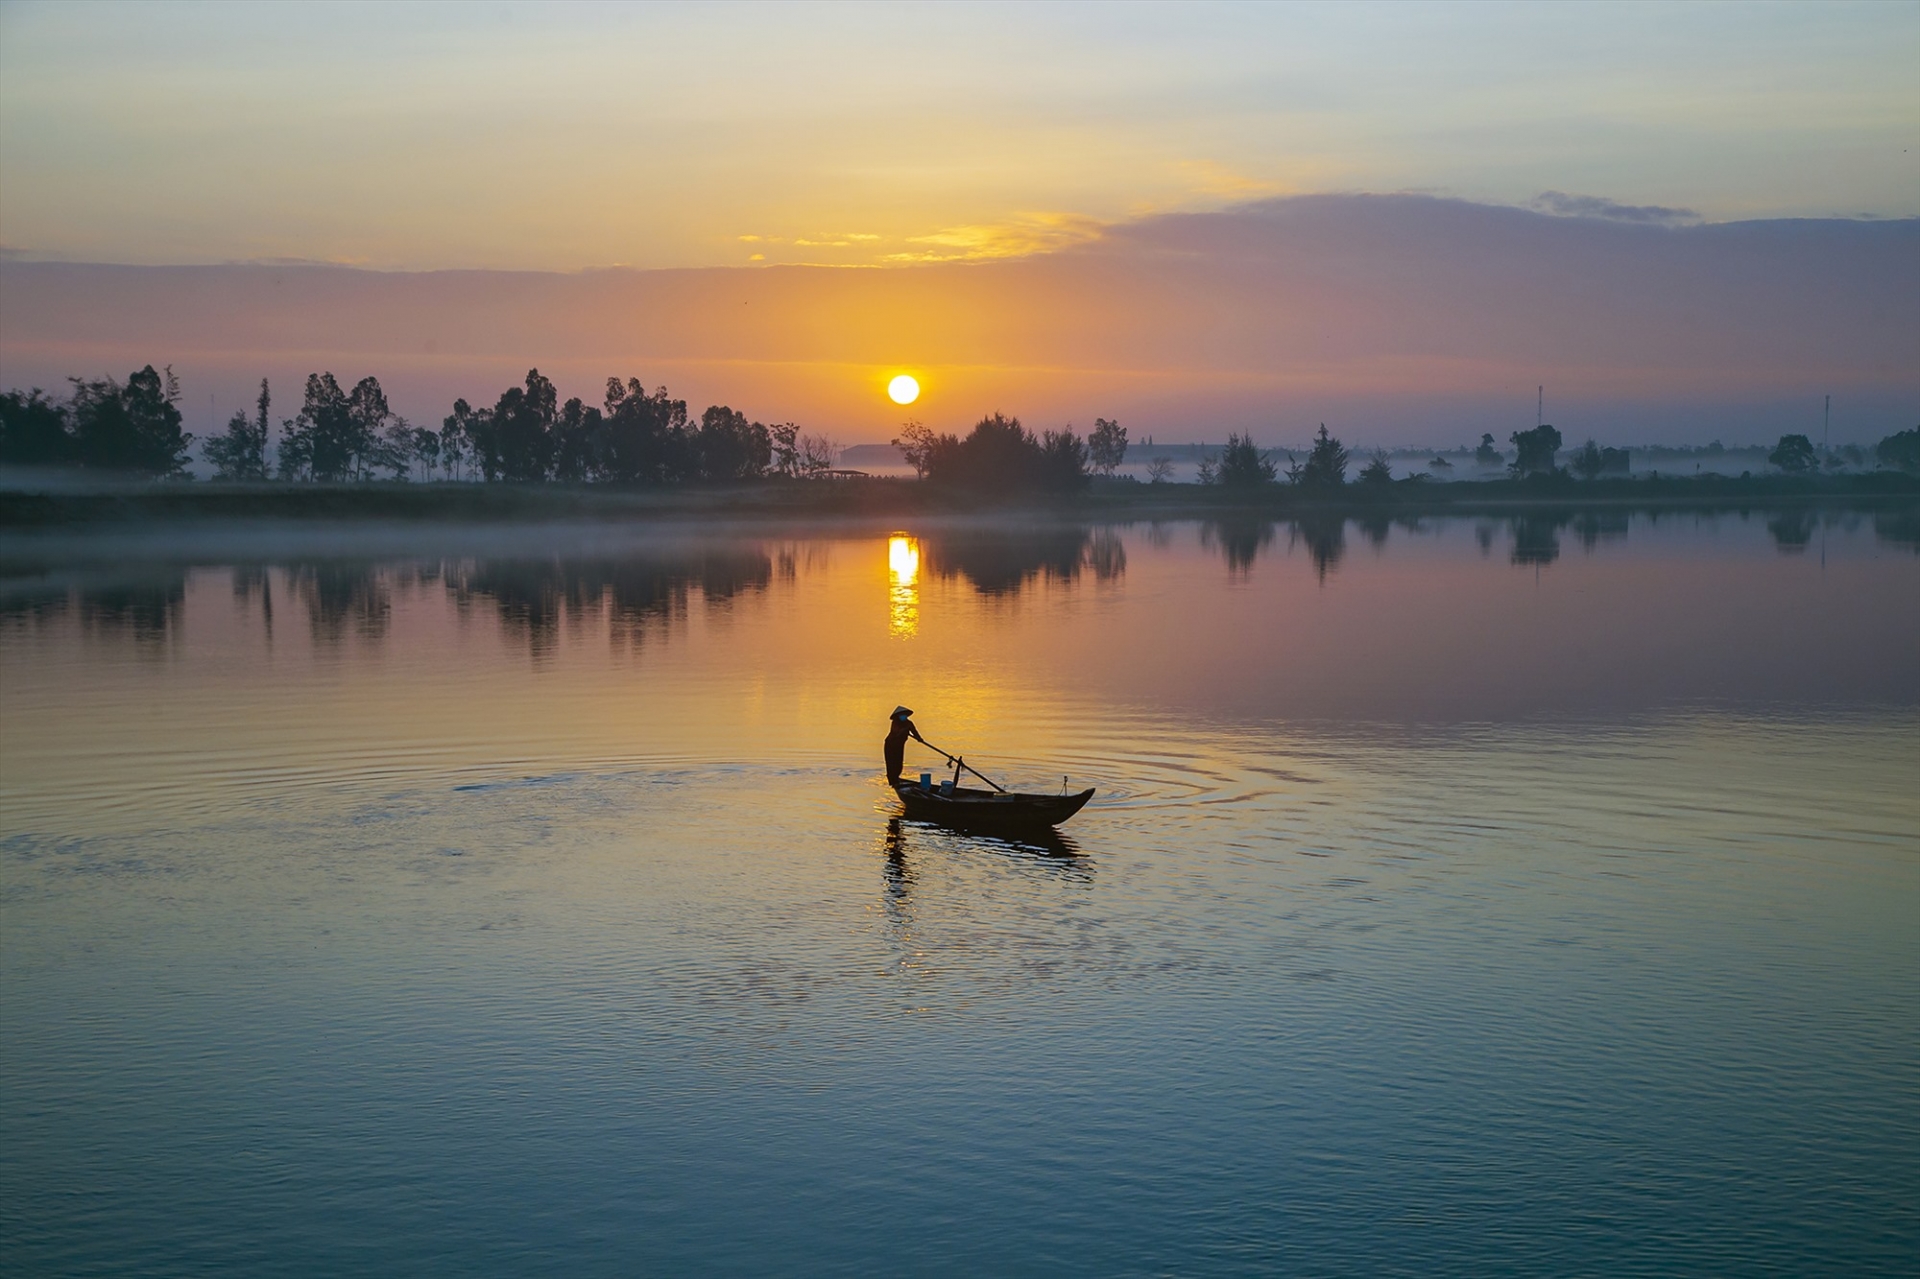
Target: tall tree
column 731, row 447
column 367, row 417
column 472, row 433
column 322, row 442
column 455, row 446
column 647, row 436
column 523, row 421
column 1326, row 464
column 241, row 452
column 1107, row 445
column 578, row 440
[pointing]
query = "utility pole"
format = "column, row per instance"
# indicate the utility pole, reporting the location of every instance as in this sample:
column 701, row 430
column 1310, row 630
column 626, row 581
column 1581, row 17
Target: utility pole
column 1540, row 408
column 1826, row 422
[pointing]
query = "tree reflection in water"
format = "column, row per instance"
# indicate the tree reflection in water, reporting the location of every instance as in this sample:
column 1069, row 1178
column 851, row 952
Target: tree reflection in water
column 1595, row 527
column 146, row 610
column 1792, row 531
column 1898, row 528
column 338, row 595
column 1325, row 537
column 637, row 594
column 1536, row 537
column 1240, row 539
column 1007, row 561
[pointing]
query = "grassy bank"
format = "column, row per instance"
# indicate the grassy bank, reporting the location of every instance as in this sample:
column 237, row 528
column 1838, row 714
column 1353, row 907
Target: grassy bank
column 76, row 502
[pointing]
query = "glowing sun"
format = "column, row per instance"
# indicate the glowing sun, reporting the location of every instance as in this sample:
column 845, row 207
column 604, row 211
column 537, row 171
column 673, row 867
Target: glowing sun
column 903, row 390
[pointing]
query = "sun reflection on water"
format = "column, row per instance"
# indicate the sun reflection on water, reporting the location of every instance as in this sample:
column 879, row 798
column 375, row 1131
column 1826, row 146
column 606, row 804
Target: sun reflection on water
column 903, row 589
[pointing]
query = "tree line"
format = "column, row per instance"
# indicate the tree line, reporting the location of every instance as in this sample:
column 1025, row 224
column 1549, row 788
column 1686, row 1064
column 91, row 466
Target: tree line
column 636, row 436
column 1242, row 464
column 104, row 424
column 342, row 435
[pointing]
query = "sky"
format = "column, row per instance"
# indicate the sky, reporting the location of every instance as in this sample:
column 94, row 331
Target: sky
column 692, row 146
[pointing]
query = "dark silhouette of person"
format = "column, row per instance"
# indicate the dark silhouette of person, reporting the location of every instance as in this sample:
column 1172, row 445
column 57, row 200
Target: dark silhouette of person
column 898, row 732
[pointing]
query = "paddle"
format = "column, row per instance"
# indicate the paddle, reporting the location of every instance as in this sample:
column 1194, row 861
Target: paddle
column 958, row 762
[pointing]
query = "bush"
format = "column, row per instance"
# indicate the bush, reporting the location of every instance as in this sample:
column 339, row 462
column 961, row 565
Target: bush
column 998, row 453
column 1377, row 471
column 1242, row 466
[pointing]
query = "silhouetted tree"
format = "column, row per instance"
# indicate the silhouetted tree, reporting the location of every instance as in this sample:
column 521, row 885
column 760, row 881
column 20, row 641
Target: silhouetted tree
column 1587, row 463
column 454, row 450
column 1440, row 466
column 1326, row 464
column 817, row 453
column 1241, row 464
column 1900, row 451
column 391, row 451
column 1378, row 469
column 918, row 443
column 33, row 430
column 732, row 448
column 1487, row 456
column 998, row 454
column 1159, row 470
column 579, row 438
column 130, row 428
column 469, row 433
column 241, row 453
column 523, row 422
column 1793, row 454
column 1063, row 459
column 1535, row 451
column 320, row 442
column 426, row 451
column 1107, row 445
column 784, row 441
column 647, row 440
column 998, row 451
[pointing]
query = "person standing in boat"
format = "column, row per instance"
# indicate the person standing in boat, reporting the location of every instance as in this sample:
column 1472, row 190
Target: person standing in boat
column 898, row 731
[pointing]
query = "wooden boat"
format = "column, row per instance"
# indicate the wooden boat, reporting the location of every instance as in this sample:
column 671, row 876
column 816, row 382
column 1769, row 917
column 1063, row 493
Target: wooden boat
column 988, row 810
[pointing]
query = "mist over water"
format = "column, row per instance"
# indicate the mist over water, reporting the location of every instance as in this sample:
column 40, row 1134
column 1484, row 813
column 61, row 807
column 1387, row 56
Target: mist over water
column 1530, row 895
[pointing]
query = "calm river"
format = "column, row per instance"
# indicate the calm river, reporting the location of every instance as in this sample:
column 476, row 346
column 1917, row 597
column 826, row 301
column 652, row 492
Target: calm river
column 1524, row 896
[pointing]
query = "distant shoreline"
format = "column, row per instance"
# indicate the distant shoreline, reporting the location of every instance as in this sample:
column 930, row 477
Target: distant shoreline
column 80, row 500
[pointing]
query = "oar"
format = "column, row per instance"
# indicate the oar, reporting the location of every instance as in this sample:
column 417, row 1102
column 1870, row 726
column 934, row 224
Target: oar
column 957, row 760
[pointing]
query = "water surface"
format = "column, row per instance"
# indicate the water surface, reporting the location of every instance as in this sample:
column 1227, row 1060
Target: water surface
column 1519, row 896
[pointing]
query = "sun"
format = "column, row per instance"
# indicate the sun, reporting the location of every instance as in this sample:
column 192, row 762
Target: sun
column 903, row 390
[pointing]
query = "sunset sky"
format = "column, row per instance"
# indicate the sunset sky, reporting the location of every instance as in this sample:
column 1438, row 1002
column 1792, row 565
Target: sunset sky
column 1150, row 211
